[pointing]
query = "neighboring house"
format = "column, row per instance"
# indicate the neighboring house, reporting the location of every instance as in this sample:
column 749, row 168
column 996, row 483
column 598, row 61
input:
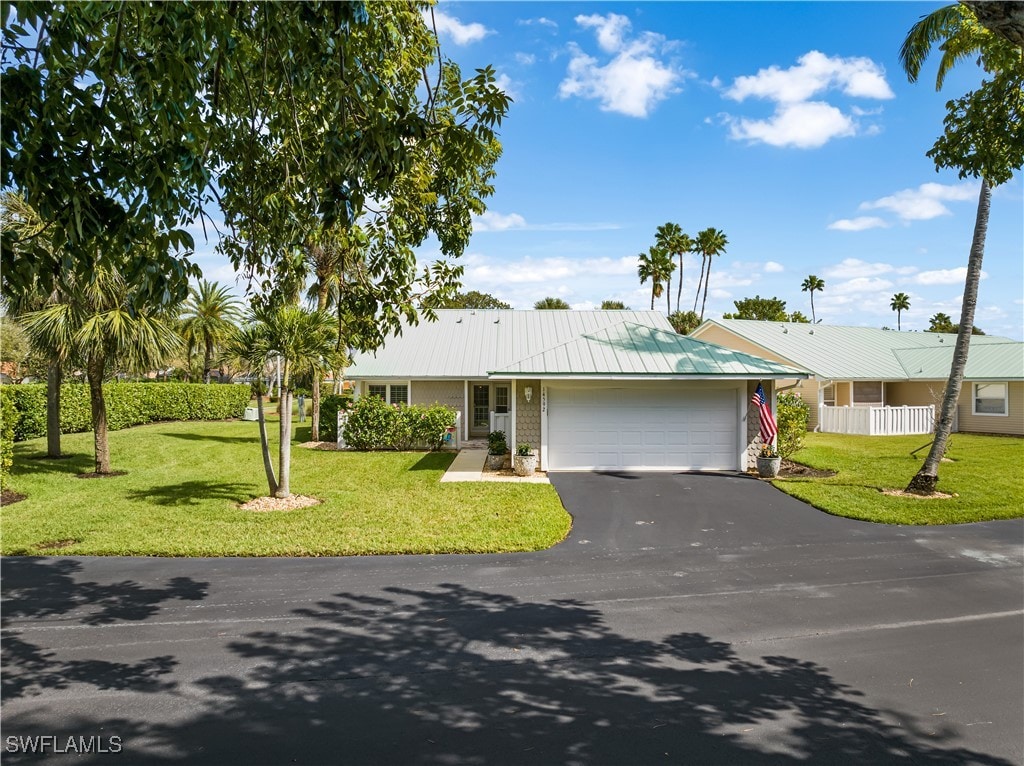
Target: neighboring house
column 867, row 380
column 588, row 389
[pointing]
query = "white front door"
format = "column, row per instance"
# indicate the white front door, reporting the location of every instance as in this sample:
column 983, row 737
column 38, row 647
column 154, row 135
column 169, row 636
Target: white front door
column 653, row 427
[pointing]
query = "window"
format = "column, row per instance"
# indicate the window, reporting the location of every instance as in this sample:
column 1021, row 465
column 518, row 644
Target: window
column 867, row 392
column 501, row 399
column 828, row 395
column 392, row 393
column 990, row 399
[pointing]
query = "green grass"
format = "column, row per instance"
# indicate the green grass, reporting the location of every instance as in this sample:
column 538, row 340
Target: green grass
column 184, row 483
column 986, row 475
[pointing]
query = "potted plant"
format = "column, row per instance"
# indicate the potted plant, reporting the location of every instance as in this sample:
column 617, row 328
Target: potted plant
column 497, row 446
column 524, row 463
column 768, row 462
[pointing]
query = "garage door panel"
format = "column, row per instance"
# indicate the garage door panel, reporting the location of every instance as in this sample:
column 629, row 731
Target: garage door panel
column 642, row 428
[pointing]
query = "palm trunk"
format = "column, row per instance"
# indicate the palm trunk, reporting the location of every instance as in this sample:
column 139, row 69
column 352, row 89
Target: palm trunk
column 94, row 372
column 925, row 480
column 284, row 468
column 679, row 287
column 652, row 298
column 207, row 361
column 314, row 426
column 813, row 318
column 54, row 378
column 696, row 295
column 268, row 464
column 707, row 281
column 668, row 297
column 899, row 324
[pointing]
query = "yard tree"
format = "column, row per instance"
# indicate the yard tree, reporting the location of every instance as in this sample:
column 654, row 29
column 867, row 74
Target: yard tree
column 210, row 318
column 765, row 309
column 547, row 304
column 709, row 243
column 671, row 238
column 799, row 317
column 655, row 265
column 684, row 322
column 613, row 306
column 811, row 285
column 900, row 303
column 471, row 300
column 101, row 326
column 983, row 138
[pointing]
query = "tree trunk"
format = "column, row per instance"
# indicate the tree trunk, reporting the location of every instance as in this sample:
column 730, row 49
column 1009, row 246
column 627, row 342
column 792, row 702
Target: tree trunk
column 899, row 323
column 94, row 372
column 813, row 318
column 284, row 467
column 696, row 295
column 679, row 287
column 928, row 477
column 207, row 361
column 314, row 426
column 707, row 281
column 668, row 297
column 268, row 464
column 652, row 298
column 54, row 378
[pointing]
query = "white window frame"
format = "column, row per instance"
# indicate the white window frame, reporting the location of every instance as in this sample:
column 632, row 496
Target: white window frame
column 1006, row 399
column 387, row 388
column 825, row 397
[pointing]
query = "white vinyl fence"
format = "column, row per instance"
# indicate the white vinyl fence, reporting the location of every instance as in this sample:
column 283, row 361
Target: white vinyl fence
column 877, row 421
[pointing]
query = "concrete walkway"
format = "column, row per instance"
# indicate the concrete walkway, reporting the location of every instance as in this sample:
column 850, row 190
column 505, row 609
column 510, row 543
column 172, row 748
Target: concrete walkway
column 469, row 466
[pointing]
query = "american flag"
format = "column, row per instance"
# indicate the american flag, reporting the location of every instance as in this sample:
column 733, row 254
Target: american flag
column 768, row 427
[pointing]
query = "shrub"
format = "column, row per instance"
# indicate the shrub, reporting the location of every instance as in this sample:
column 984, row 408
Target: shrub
column 373, row 424
column 329, row 406
column 791, row 416
column 8, row 416
column 128, row 404
column 497, row 443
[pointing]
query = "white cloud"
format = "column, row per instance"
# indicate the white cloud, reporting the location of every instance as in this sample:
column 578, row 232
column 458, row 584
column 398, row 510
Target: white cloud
column 505, row 84
column 805, row 125
column 460, row 34
column 491, row 221
column 633, row 81
column 924, row 202
column 526, row 59
column 485, row 272
column 541, row 21
column 774, row 268
column 851, row 268
column 858, row 224
column 860, row 285
column 955, row 276
column 814, row 73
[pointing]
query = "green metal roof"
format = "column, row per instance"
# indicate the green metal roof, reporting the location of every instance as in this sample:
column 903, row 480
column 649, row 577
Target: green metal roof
column 630, row 349
column 466, row 343
column 985, row 361
column 834, row 352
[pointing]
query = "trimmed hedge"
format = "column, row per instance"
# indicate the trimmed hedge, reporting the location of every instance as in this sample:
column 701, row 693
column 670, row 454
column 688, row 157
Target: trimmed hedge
column 329, row 406
column 128, row 404
column 373, row 424
column 8, row 415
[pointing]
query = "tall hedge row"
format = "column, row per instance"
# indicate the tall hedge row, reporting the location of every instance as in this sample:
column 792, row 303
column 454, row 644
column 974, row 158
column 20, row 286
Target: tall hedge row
column 128, row 404
column 8, row 415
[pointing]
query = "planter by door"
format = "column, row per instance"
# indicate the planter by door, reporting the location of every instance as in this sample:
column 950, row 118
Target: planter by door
column 495, row 462
column 768, row 467
column 524, row 465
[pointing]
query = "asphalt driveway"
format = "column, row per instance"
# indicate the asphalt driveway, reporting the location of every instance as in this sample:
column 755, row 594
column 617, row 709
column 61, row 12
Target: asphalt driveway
column 687, row 619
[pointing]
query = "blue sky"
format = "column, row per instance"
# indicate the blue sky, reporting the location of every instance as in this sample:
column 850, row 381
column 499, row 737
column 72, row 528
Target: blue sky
column 789, row 126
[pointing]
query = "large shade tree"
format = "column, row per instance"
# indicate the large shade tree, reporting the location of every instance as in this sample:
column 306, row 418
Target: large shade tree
column 983, row 139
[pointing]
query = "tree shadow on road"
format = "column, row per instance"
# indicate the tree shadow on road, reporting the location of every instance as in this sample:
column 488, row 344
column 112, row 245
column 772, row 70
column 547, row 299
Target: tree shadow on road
column 451, row 675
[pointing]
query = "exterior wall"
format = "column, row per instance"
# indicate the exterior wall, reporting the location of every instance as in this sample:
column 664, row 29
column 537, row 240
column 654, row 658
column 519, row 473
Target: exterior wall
column 915, row 393
column 844, row 393
column 806, row 389
column 527, row 416
column 1012, row 423
column 450, row 393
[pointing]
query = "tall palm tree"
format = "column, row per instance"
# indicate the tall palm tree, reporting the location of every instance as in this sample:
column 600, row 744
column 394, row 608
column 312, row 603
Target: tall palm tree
column 811, row 284
column 963, row 37
column 656, row 265
column 900, row 303
column 670, row 238
column 101, row 327
column 304, row 341
column 210, row 318
column 709, row 243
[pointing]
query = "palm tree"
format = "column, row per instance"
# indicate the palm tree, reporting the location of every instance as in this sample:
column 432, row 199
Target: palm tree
column 670, row 238
column 303, row 341
column 811, row 284
column 941, row 322
column 101, row 327
column 613, row 306
column 549, row 304
column 210, row 319
column 900, row 303
column 655, row 265
column 967, row 129
column 709, row 243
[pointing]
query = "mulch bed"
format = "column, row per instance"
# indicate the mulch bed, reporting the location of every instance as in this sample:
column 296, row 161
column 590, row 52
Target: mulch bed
column 290, row 503
column 95, row 475
column 789, row 468
column 328, row 446
column 8, row 497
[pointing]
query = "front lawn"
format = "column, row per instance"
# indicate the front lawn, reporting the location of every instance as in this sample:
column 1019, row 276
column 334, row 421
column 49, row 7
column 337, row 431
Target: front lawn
column 986, row 473
column 184, row 483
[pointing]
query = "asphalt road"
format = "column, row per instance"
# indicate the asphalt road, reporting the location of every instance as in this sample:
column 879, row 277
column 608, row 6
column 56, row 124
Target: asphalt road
column 687, row 619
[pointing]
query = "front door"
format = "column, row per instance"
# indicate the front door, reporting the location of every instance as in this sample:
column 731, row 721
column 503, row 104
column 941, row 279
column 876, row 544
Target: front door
column 480, row 423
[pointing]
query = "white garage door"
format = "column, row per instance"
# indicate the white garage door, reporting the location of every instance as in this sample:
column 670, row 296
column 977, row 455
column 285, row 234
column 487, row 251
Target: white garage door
column 642, row 428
